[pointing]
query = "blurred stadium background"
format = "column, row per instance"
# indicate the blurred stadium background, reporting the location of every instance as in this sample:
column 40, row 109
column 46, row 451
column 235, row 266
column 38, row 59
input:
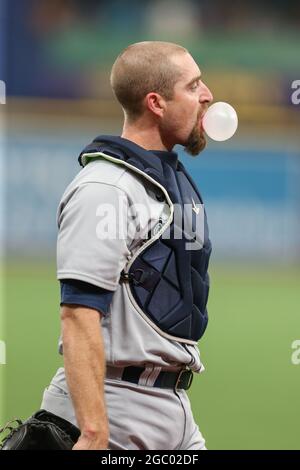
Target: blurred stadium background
column 55, row 58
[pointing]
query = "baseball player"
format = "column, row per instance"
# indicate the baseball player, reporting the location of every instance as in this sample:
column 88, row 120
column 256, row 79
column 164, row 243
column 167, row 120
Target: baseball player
column 133, row 266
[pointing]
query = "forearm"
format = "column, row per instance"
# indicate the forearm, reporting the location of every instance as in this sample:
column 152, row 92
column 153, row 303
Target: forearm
column 84, row 360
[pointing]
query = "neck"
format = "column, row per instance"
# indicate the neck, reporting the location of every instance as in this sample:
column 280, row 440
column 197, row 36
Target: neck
column 145, row 135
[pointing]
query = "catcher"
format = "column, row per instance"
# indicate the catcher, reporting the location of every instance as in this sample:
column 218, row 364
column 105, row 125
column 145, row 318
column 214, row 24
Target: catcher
column 133, row 298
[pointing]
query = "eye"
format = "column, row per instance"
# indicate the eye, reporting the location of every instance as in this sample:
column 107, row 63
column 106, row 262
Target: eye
column 195, row 85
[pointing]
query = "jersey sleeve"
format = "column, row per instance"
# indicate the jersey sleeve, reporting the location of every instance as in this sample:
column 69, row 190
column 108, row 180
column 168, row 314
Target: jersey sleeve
column 85, row 294
column 92, row 241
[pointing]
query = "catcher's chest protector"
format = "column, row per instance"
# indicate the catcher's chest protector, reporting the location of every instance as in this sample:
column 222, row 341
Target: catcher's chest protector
column 167, row 277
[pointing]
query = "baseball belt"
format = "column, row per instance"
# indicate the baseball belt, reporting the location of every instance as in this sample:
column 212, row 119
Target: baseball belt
column 166, row 379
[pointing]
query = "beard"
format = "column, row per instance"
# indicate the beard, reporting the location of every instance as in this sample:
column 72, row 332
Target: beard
column 196, row 141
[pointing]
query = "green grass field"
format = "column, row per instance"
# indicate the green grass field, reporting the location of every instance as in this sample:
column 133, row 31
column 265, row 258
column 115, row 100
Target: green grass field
column 248, row 397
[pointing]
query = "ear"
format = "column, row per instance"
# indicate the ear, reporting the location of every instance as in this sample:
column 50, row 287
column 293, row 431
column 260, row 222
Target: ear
column 155, row 103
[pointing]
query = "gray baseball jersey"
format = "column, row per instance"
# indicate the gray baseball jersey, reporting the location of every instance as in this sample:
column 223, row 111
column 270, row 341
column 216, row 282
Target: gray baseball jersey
column 105, row 193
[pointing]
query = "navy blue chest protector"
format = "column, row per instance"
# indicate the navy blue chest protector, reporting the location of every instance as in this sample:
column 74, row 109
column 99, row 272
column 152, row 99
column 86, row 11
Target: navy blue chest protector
column 168, row 279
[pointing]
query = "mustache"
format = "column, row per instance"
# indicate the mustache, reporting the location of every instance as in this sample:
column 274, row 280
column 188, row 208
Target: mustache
column 203, row 110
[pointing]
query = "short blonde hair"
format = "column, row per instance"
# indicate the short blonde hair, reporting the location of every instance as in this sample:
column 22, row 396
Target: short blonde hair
column 142, row 68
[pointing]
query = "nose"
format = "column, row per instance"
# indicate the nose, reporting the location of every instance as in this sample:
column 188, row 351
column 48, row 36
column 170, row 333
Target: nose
column 205, row 94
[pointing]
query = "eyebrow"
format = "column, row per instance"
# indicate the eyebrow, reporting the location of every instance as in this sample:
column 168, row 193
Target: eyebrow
column 196, row 79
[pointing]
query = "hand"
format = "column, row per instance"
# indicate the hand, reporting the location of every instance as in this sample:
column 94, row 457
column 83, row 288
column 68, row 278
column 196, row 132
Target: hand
column 91, row 441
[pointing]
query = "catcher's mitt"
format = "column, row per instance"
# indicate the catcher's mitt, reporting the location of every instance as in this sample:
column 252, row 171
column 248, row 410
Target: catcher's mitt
column 42, row 431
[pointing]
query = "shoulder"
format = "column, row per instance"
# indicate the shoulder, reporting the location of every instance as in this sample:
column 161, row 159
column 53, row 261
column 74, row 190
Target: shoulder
column 103, row 174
